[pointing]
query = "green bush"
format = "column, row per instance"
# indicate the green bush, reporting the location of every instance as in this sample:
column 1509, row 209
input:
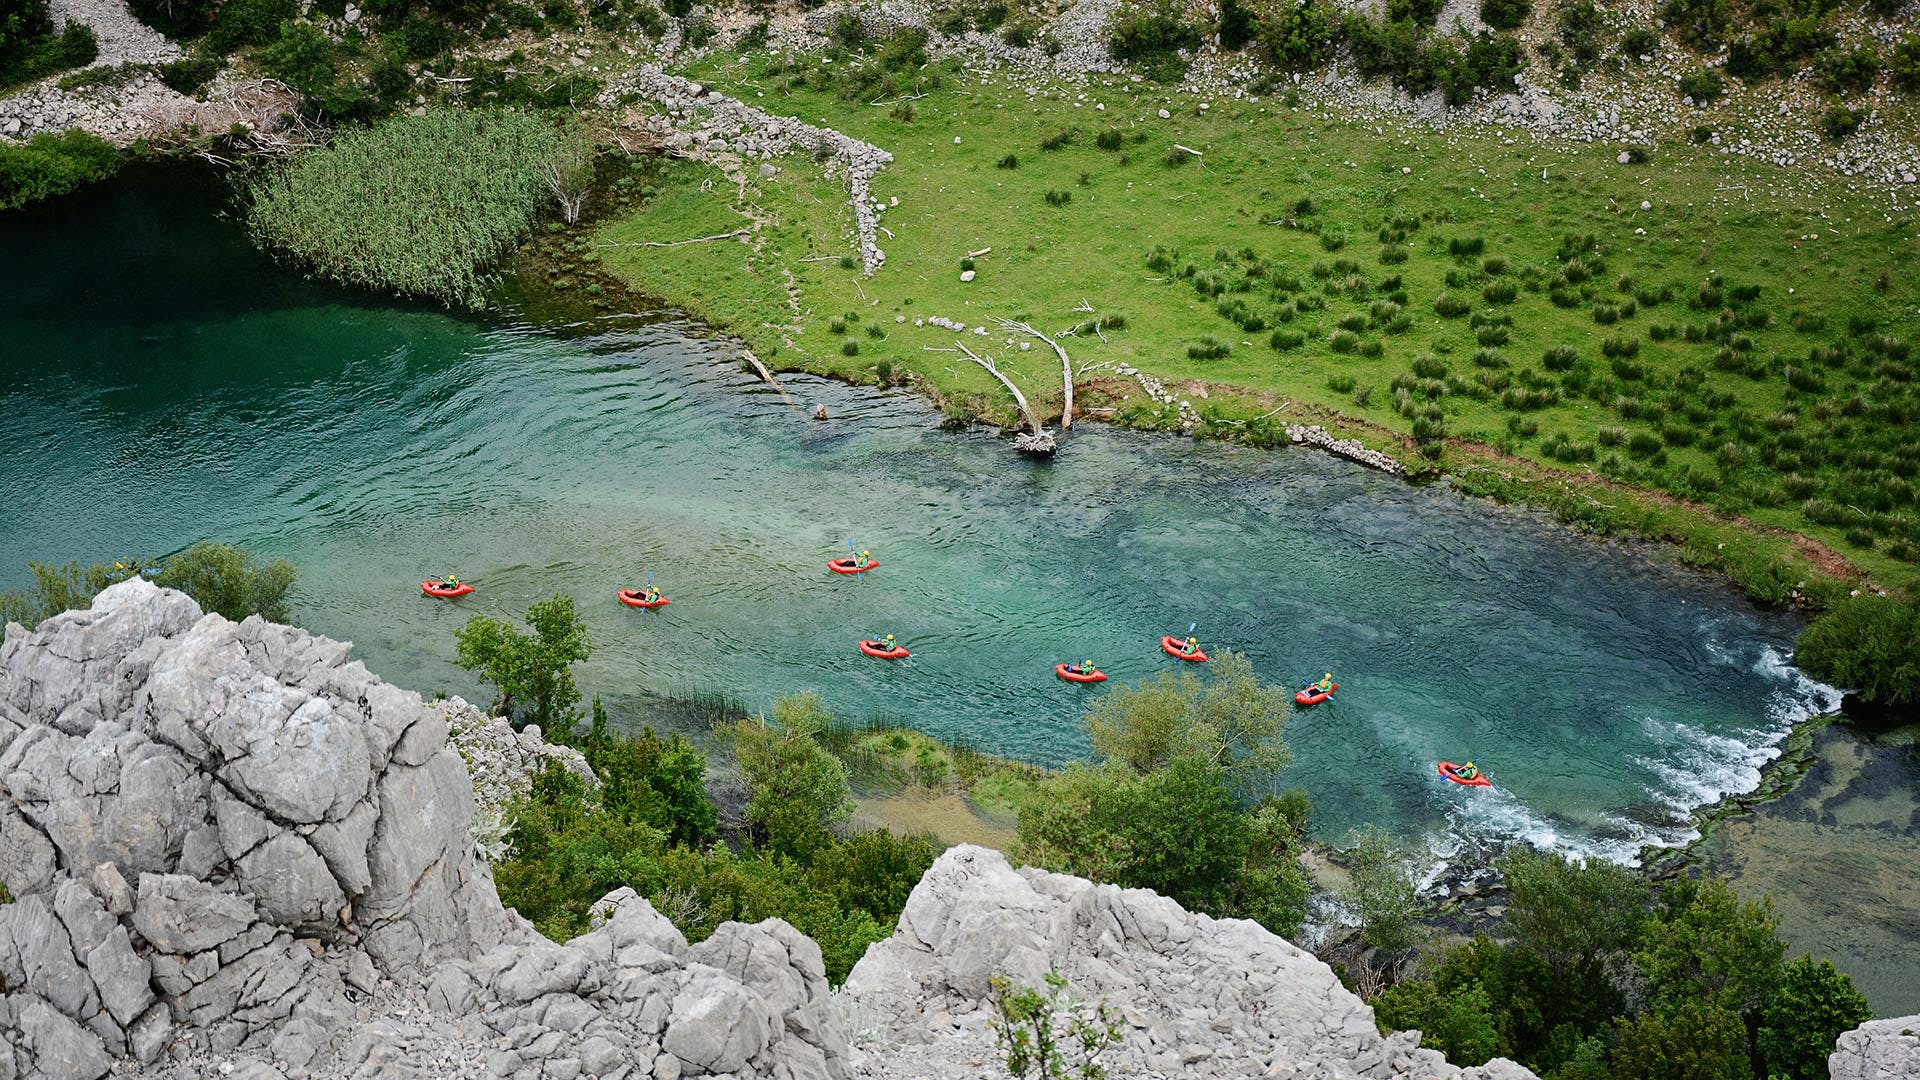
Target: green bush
column 1838, row 122
column 249, row 22
column 1699, row 22
column 1697, row 1041
column 799, row 790
column 1299, row 35
column 223, row 579
column 1505, row 14
column 1846, row 70
column 1808, row 1009
column 302, row 58
column 419, row 205
column 1152, row 36
column 190, row 74
column 1704, row 86
column 1904, row 65
column 1459, row 1024
column 1380, row 892
column 29, row 47
column 1868, row 644
column 48, row 165
column 531, row 672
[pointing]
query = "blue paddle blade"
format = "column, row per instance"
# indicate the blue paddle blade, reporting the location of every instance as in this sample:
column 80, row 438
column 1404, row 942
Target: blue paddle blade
column 1191, row 627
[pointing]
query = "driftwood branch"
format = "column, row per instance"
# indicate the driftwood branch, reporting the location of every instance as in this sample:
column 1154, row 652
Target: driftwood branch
column 1041, row 440
column 1066, row 367
column 737, row 234
column 768, row 376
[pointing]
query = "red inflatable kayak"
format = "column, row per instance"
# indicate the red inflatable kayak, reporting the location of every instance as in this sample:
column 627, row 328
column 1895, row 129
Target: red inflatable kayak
column 635, row 598
column 846, row 566
column 434, row 588
column 1452, row 772
column 872, row 648
column 1073, row 676
column 1173, row 644
column 1306, row 696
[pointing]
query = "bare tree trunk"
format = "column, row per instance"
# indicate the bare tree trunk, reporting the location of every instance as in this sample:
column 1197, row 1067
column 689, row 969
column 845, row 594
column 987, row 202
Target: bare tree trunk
column 571, row 197
column 1066, row 369
column 768, row 376
column 1040, row 441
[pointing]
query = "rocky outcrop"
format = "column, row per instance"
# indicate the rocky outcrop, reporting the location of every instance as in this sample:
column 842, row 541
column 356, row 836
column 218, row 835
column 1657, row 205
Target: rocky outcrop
column 1878, row 1050
column 502, row 761
column 228, row 839
column 716, row 123
column 1199, row 996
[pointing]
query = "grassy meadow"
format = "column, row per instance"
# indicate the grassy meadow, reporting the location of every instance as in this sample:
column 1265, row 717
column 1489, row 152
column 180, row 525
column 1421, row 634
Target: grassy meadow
column 1544, row 323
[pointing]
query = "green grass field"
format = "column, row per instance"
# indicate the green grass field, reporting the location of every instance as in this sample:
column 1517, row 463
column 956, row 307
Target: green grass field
column 1477, row 302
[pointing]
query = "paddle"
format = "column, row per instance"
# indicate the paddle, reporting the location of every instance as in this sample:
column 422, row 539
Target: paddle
column 855, row 561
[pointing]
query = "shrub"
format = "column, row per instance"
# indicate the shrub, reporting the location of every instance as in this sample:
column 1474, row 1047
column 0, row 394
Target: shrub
column 531, row 673
column 1284, row 340
column 249, row 22
column 223, row 579
column 1869, row 644
column 1300, row 36
column 1904, row 64
column 189, row 75
column 1380, row 891
column 1500, row 292
column 1615, row 345
column 1459, row 1024
column 1505, row 14
column 1008, row 162
column 1152, row 36
column 1697, row 1042
column 1804, row 1015
column 1209, row 348
column 1704, row 86
column 48, row 165
column 798, row 790
column 1343, row 341
column 1846, row 70
column 302, row 58
column 1839, row 122
column 29, row 47
column 1109, row 139
column 1448, row 306
column 1699, row 22
column 850, row 347
column 1560, row 358
column 420, row 205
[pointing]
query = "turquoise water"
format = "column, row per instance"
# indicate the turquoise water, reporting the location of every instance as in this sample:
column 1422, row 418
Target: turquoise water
column 162, row 384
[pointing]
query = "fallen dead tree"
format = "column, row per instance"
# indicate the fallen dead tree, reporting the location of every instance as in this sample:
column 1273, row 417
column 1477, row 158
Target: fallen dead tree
column 1066, row 369
column 1036, row 441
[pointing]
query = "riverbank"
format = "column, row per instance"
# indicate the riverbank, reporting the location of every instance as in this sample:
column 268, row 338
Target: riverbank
column 1652, row 422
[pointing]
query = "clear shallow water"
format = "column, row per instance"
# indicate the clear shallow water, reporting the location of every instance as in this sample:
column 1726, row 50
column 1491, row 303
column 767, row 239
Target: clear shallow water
column 160, row 383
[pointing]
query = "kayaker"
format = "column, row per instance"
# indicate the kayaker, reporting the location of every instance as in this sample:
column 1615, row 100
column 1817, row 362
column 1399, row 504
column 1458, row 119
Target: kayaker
column 1086, row 668
column 889, row 642
column 861, row 560
column 1192, row 646
column 1467, row 772
column 1324, row 686
column 652, row 595
column 450, row 582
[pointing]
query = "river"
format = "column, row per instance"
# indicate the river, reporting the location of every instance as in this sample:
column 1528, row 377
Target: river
column 162, row 383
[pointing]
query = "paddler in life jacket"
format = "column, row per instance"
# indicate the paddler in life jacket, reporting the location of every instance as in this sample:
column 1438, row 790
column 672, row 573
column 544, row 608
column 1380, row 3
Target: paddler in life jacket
column 1085, row 668
column 1192, row 646
column 652, row 595
column 861, row 560
column 450, row 582
column 1324, row 686
column 1467, row 772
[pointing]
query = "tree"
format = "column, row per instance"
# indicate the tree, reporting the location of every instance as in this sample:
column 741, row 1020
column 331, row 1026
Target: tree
column 797, row 791
column 1458, row 1023
column 531, row 673
column 1505, row 14
column 1031, row 1027
column 661, row 782
column 1804, row 1015
column 1699, row 1041
column 1573, row 915
column 1704, row 945
column 221, row 578
column 1380, row 891
column 1229, row 721
column 1870, row 644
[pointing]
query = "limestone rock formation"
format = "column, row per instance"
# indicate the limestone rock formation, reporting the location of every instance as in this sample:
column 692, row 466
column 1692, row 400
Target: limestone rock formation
column 228, row 838
column 1878, row 1050
column 1200, row 996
